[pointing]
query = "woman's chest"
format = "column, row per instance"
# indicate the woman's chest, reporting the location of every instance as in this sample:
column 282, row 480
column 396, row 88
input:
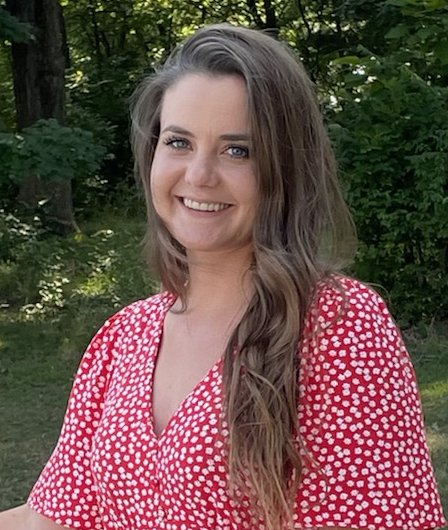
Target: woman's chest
column 143, row 478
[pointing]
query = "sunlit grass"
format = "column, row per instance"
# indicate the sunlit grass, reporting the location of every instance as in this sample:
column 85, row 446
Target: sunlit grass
column 438, row 441
column 429, row 349
column 435, row 391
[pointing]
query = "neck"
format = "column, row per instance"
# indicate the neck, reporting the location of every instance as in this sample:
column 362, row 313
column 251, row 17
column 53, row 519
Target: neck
column 219, row 283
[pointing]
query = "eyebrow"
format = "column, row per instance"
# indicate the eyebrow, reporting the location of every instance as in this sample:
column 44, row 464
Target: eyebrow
column 230, row 137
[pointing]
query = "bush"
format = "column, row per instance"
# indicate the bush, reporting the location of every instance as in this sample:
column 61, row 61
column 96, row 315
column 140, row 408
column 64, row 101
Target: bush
column 44, row 275
column 50, row 151
column 392, row 141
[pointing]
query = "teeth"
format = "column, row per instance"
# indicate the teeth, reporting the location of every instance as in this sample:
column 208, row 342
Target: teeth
column 204, row 206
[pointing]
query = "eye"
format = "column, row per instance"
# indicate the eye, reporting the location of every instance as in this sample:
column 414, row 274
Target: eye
column 238, row 151
column 176, row 142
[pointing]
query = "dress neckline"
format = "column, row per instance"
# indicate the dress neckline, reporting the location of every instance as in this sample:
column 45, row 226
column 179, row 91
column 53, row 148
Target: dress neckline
column 168, row 301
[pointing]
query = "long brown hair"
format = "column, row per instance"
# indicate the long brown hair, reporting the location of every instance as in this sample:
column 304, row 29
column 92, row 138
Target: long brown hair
column 299, row 233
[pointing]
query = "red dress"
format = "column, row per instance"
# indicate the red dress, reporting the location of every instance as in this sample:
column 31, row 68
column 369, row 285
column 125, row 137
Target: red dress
column 365, row 456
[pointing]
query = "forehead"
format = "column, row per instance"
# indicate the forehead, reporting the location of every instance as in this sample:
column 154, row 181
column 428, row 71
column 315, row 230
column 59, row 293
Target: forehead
column 203, row 99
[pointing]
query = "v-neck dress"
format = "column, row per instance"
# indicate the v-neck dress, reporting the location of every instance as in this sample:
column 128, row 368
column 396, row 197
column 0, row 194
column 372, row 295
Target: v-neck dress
column 364, row 451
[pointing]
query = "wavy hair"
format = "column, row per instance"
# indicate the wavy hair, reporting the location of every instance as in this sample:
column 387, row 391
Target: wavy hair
column 300, row 235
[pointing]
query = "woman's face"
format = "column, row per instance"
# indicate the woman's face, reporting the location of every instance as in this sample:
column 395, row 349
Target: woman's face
column 203, row 181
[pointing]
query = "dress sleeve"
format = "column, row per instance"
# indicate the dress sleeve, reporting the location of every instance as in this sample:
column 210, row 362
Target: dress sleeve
column 365, row 453
column 65, row 491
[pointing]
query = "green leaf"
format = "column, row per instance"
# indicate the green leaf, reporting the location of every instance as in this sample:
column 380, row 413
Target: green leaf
column 441, row 51
column 435, row 4
column 352, row 80
column 428, row 31
column 396, row 3
column 348, row 59
column 397, row 32
column 12, row 29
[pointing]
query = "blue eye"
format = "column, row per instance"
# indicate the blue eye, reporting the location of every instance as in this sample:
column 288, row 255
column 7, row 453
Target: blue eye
column 238, row 151
column 176, row 142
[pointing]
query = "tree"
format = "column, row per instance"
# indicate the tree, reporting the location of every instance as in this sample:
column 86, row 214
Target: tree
column 390, row 125
column 39, row 90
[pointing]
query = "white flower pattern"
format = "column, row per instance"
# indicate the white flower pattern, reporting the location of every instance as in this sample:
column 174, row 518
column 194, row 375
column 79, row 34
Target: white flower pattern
column 364, row 450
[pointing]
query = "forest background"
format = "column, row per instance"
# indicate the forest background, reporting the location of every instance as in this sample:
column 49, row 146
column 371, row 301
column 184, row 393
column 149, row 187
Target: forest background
column 71, row 216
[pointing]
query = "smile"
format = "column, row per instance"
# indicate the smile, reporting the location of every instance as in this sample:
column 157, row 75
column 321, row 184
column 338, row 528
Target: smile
column 204, row 206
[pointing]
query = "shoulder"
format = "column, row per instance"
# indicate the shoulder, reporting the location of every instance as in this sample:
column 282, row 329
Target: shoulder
column 360, row 417
column 348, row 292
column 341, row 301
column 132, row 324
column 147, row 308
column 140, row 312
column 350, row 324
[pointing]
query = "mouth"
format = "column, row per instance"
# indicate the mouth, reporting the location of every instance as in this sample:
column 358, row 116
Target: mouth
column 204, row 206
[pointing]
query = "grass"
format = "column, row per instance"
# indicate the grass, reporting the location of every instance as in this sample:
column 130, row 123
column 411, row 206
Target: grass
column 55, row 293
column 429, row 351
column 35, row 380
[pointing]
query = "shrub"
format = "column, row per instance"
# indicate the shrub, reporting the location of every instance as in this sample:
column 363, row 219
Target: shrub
column 392, row 140
column 50, row 151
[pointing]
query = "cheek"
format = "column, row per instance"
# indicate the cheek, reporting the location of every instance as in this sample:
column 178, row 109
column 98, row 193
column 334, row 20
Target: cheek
column 250, row 191
column 164, row 173
column 157, row 193
column 157, row 178
column 156, row 168
column 153, row 185
column 153, row 182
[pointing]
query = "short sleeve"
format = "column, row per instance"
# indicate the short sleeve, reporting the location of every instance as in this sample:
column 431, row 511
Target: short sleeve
column 65, row 491
column 365, row 453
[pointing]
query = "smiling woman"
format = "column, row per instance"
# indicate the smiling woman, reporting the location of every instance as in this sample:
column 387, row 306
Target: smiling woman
column 203, row 182
column 261, row 389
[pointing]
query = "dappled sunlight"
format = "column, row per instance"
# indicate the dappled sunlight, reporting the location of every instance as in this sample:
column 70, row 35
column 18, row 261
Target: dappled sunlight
column 54, row 275
column 437, row 390
column 437, row 440
column 99, row 284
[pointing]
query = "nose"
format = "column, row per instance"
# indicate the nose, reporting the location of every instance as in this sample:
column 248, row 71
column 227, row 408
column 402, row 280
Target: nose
column 201, row 170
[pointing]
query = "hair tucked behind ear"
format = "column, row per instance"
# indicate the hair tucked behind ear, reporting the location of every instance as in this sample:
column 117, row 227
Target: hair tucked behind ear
column 300, row 232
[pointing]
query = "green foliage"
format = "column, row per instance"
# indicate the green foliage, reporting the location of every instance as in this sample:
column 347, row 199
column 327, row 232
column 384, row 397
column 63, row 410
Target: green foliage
column 380, row 68
column 392, row 140
column 49, row 151
column 7, row 111
column 16, row 234
column 12, row 29
column 43, row 275
column 420, row 38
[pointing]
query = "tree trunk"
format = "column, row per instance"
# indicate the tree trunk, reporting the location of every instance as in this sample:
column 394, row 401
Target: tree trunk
column 39, row 90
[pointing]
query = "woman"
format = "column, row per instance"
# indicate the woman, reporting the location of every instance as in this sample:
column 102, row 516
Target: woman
column 260, row 390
